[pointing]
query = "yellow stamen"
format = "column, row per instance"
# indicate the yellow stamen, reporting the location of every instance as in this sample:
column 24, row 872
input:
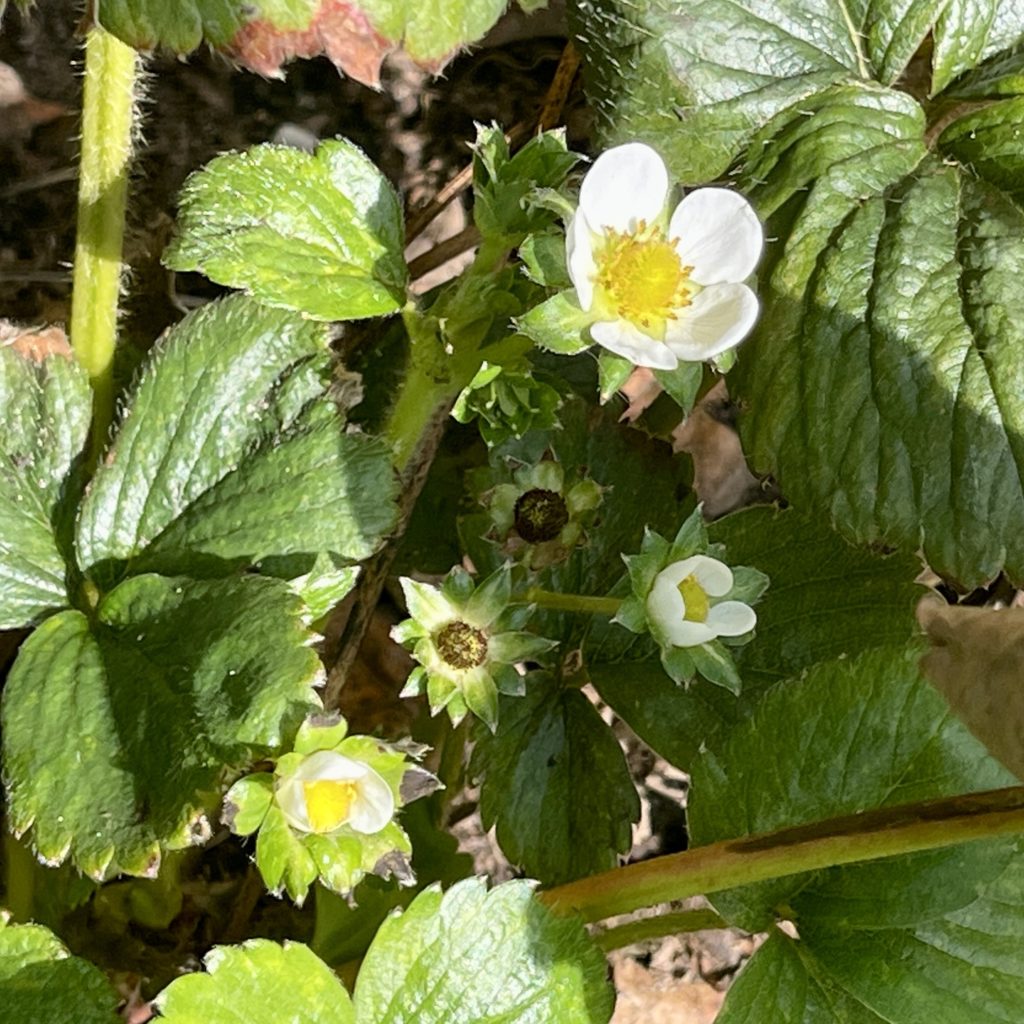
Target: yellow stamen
column 641, row 278
column 328, row 803
column 695, row 600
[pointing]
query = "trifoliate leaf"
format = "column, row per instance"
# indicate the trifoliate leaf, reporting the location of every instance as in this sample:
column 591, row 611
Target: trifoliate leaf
column 45, row 407
column 851, row 734
column 320, row 234
column 264, row 34
column 229, row 451
column 40, row 981
column 117, row 732
column 259, row 982
column 556, row 785
column 478, row 957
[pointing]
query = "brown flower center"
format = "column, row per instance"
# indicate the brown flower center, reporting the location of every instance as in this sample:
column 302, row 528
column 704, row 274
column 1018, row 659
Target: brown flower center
column 540, row 515
column 461, row 645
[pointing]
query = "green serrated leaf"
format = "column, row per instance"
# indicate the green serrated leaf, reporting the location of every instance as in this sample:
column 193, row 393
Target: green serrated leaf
column 45, row 407
column 320, row 234
column 556, row 784
column 116, row 733
column 229, row 452
column 265, row 34
column 851, row 734
column 259, row 982
column 41, row 981
column 479, row 957
column 697, row 80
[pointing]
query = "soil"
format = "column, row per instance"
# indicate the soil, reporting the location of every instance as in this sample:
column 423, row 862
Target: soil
column 417, row 131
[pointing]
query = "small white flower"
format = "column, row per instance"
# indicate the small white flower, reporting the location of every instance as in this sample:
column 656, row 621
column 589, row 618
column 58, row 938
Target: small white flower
column 682, row 604
column 328, row 791
column 663, row 288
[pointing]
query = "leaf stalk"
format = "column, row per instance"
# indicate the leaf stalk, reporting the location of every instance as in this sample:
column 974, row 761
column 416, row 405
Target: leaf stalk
column 111, row 69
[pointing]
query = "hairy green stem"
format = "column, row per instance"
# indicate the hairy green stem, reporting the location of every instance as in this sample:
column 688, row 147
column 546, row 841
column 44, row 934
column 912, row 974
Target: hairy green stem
column 570, row 602
column 107, row 113
column 889, row 832
column 657, row 927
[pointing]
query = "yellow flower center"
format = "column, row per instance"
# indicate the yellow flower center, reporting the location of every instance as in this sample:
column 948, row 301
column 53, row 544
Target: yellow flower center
column 329, row 803
column 695, row 599
column 640, row 278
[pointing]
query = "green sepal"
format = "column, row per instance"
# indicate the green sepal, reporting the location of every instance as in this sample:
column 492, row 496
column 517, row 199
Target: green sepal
column 714, row 662
column 612, row 373
column 558, row 325
column 321, row 732
column 682, row 384
column 246, row 803
column 543, row 256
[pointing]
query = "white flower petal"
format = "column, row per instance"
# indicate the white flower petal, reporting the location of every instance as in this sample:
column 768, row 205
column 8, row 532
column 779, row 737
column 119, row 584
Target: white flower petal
column 373, row 806
column 720, row 317
column 622, row 338
column 685, row 633
column 289, row 796
column 579, row 259
column 665, row 605
column 627, row 184
column 731, row 618
column 714, row 577
column 719, row 235
column 329, row 764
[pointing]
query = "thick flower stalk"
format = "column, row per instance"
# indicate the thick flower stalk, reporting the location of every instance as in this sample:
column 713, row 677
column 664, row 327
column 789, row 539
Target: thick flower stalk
column 327, row 811
column 692, row 603
column 661, row 284
column 468, row 642
column 540, row 517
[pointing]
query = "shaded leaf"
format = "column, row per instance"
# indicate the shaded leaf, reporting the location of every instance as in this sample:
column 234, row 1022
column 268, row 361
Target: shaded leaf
column 41, row 981
column 851, row 734
column 116, row 734
column 555, row 784
column 45, row 408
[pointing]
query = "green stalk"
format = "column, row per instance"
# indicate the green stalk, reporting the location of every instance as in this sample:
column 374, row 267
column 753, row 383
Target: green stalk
column 889, row 832
column 107, row 113
column 657, row 927
column 570, row 602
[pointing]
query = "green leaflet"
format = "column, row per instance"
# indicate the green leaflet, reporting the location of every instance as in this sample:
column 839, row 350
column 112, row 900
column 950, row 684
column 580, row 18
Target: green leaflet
column 468, row 957
column 851, row 734
column 320, row 234
column 949, row 964
column 556, row 784
column 41, row 981
column 259, row 982
column 265, row 34
column 478, row 957
column 697, row 79
column 116, row 735
column 228, row 452
column 45, row 406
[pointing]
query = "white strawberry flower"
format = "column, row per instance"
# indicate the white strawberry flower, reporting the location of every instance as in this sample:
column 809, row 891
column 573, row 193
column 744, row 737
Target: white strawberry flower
column 328, row 791
column 663, row 287
column 685, row 606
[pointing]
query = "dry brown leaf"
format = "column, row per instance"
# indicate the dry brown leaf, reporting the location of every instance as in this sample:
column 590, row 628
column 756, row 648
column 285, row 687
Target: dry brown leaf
column 35, row 343
column 977, row 664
